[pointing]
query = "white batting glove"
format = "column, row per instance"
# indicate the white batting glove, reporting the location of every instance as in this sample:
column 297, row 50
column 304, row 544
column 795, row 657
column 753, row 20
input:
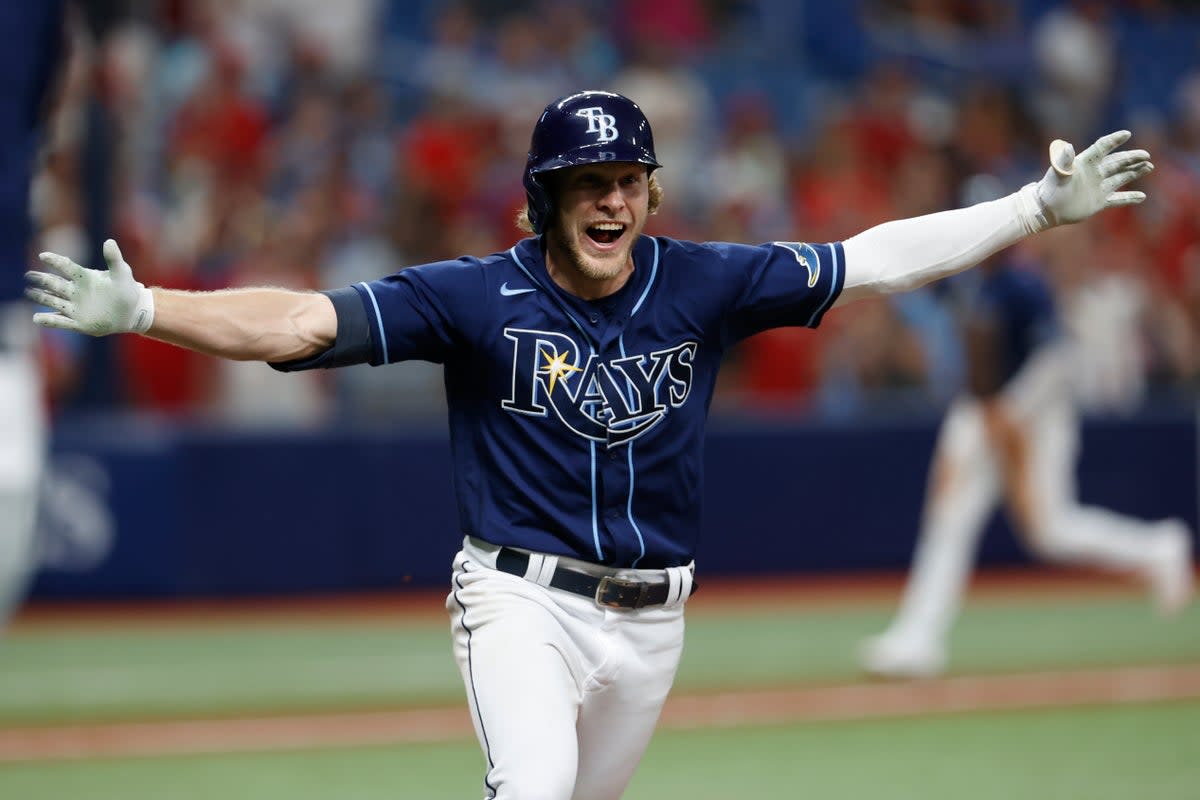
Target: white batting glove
column 1076, row 187
column 91, row 301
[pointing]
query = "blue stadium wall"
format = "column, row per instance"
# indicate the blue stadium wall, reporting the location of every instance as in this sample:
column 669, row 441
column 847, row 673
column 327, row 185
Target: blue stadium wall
column 200, row 512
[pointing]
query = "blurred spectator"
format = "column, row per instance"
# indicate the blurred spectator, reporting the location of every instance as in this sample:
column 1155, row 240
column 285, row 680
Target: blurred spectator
column 992, row 133
column 749, row 169
column 573, row 35
column 1075, row 58
column 835, row 192
column 286, row 256
column 872, row 360
column 947, row 39
column 382, row 395
column 518, row 79
column 449, row 64
column 677, row 26
column 681, row 109
column 155, row 376
column 219, row 125
column 439, row 154
column 337, row 35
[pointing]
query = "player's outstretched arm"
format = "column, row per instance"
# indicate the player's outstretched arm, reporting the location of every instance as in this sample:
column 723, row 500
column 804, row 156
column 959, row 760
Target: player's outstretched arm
column 243, row 324
column 902, row 255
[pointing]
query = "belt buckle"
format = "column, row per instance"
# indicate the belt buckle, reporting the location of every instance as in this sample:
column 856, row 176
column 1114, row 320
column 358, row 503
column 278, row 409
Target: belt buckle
column 620, row 587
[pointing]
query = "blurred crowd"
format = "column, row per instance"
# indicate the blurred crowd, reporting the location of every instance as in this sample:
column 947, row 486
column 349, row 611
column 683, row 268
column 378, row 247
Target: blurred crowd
column 312, row 144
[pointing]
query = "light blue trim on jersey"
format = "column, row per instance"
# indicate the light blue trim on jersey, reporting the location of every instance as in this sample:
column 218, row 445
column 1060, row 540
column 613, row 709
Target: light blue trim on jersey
column 633, row 474
column 833, row 284
column 629, row 511
column 378, row 320
column 512, row 251
column 629, row 456
column 649, row 283
column 595, row 506
column 595, row 500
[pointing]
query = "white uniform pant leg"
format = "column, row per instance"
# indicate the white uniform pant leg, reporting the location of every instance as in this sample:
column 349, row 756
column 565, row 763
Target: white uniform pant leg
column 1064, row 530
column 520, row 674
column 22, row 456
column 624, row 696
column 564, row 694
column 963, row 490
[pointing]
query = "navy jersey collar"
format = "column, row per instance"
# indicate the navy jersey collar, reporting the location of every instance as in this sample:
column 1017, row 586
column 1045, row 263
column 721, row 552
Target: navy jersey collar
column 531, row 257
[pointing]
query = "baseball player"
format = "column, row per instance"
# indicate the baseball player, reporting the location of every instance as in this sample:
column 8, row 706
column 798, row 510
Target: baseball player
column 32, row 34
column 579, row 365
column 1013, row 437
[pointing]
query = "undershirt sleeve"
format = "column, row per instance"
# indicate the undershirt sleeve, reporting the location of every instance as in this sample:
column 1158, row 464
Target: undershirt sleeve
column 904, row 254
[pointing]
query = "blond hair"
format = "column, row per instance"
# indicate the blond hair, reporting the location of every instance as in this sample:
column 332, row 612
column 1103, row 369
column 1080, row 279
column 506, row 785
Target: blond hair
column 654, row 188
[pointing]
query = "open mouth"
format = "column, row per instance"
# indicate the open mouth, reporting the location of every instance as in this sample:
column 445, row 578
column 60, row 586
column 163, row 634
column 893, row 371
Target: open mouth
column 606, row 233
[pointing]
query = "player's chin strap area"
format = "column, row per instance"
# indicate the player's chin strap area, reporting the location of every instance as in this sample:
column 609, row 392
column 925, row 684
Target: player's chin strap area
column 611, row 588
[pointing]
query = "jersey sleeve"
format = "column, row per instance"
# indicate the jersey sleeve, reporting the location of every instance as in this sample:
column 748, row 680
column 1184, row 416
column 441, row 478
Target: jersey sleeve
column 785, row 284
column 420, row 313
column 424, row 312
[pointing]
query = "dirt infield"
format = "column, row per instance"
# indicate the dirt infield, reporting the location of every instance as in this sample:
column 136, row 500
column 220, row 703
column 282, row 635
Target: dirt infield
column 729, row 709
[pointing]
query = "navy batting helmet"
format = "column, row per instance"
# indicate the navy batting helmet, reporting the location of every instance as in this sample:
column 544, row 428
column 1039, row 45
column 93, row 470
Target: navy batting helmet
column 584, row 128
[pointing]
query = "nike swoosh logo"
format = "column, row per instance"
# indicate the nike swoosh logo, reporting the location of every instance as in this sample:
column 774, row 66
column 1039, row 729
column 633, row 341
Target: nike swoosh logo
column 507, row 292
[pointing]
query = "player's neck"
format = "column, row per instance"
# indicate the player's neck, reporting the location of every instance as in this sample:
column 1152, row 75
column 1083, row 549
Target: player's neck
column 580, row 280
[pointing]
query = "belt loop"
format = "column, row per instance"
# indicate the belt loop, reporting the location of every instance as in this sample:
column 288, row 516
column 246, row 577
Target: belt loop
column 679, row 585
column 549, row 565
column 533, row 569
column 541, row 568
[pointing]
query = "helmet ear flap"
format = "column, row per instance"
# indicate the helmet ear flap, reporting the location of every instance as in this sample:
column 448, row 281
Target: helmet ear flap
column 539, row 204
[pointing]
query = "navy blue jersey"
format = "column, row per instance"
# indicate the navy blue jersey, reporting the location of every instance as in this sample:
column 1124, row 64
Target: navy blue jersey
column 32, row 35
column 577, row 426
column 1016, row 308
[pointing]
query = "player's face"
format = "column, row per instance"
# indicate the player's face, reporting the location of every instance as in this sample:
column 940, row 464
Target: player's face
column 601, row 209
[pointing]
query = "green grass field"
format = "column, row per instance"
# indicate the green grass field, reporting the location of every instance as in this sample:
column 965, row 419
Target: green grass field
column 1116, row 753
column 59, row 674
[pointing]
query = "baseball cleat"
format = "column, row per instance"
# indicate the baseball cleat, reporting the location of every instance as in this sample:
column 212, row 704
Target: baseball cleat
column 901, row 657
column 1171, row 572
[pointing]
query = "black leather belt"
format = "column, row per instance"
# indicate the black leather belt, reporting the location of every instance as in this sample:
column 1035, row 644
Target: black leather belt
column 606, row 590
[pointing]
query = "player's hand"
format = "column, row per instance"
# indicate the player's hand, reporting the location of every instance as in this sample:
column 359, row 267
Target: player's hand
column 91, row 301
column 1077, row 186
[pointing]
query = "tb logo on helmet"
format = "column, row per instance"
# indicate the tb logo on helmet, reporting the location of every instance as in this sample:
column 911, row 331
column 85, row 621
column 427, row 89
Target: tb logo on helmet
column 600, row 123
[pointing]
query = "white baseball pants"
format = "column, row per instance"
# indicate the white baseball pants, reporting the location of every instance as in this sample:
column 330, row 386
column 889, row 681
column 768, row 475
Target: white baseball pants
column 564, row 694
column 22, row 454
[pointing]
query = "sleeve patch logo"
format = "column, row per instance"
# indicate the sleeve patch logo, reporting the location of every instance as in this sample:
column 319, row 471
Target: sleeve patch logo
column 806, row 256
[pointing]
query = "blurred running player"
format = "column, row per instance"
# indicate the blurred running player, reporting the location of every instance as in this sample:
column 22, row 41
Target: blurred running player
column 32, row 34
column 1013, row 438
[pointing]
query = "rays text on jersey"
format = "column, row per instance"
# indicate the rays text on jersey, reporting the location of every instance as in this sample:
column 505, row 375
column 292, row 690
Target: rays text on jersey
column 613, row 401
